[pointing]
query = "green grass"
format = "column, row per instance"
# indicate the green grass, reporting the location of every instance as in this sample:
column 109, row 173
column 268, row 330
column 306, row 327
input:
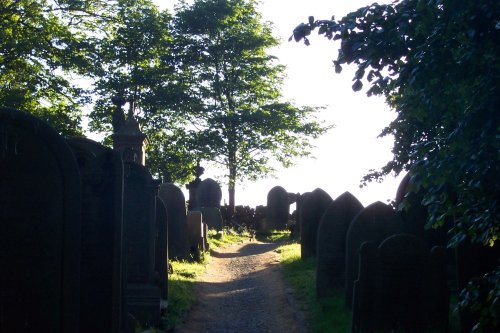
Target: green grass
column 274, row 236
column 180, row 290
column 228, row 236
column 326, row 316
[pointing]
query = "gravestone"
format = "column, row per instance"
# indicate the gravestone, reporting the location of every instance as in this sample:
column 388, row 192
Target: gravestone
column 195, row 233
column 193, row 188
column 331, row 247
column 394, row 291
column 313, row 207
column 161, row 247
column 40, row 205
column 101, row 275
column 278, row 209
column 174, row 200
column 212, row 217
column 301, row 198
column 373, row 224
column 209, row 194
column 473, row 261
column 206, row 246
column 139, row 208
column 415, row 216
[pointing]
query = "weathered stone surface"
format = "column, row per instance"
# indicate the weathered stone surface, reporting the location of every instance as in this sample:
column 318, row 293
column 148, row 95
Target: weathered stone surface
column 331, row 247
column 174, row 200
column 395, row 287
column 313, row 207
column 40, row 209
column 102, row 292
column 212, row 217
column 278, row 209
column 195, row 233
column 373, row 224
column 206, row 246
column 161, row 247
column 139, row 207
column 209, row 193
column 301, row 198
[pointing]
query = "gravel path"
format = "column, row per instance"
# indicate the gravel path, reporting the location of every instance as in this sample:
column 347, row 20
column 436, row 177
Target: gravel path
column 242, row 291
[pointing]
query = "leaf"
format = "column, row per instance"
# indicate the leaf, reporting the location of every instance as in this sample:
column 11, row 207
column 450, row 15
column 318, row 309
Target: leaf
column 357, row 86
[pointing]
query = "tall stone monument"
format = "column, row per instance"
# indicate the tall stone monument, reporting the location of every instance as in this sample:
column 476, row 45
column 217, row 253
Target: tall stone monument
column 127, row 136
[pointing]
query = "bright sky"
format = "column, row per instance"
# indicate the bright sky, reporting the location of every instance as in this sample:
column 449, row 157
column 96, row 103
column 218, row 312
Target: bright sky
column 352, row 148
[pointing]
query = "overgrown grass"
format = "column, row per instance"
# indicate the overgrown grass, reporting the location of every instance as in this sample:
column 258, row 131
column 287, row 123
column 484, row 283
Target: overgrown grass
column 185, row 274
column 274, row 236
column 326, row 316
column 180, row 290
column 228, row 236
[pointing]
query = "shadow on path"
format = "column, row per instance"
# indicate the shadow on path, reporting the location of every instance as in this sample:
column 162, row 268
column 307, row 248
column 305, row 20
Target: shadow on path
column 242, row 291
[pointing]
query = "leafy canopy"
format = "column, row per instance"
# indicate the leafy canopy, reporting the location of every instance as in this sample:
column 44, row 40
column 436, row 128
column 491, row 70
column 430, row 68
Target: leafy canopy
column 436, row 62
column 238, row 113
column 41, row 43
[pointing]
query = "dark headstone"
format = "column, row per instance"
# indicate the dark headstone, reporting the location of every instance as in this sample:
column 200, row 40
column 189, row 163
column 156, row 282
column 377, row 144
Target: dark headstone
column 278, row 209
column 414, row 215
column 101, row 275
column 373, row 224
column 139, row 208
column 331, row 247
column 174, row 200
column 209, row 193
column 195, row 233
column 313, row 207
column 212, row 217
column 40, row 209
column 161, row 247
column 473, row 261
column 301, row 198
column 206, row 246
column 394, row 289
column 193, row 188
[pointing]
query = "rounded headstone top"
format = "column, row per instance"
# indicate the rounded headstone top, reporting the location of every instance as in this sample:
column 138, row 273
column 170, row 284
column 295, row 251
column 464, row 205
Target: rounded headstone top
column 209, row 193
column 171, row 194
column 402, row 189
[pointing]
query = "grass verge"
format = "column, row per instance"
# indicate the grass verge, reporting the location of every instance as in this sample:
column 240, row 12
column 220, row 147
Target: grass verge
column 326, row 316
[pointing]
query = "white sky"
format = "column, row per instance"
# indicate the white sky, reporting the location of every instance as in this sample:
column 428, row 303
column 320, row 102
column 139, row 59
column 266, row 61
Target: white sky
column 349, row 150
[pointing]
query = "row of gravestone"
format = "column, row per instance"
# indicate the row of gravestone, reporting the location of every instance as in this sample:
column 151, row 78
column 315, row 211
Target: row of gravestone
column 84, row 236
column 393, row 272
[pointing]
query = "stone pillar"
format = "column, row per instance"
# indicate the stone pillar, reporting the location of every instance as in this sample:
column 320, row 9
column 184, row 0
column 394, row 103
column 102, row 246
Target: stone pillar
column 127, row 136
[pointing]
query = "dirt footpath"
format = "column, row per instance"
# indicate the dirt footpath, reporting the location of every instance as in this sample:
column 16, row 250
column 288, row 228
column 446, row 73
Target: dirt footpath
column 242, row 292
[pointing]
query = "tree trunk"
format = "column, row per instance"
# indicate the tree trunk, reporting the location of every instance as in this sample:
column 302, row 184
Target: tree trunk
column 231, row 189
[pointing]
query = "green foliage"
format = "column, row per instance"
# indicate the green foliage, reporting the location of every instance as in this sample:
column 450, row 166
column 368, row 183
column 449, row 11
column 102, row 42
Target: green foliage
column 41, row 43
column 136, row 61
column 436, row 64
column 241, row 120
column 326, row 316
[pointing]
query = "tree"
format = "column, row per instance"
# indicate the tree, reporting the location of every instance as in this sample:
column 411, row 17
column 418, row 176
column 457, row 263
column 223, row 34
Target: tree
column 41, row 43
column 237, row 113
column 136, row 62
column 436, row 63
